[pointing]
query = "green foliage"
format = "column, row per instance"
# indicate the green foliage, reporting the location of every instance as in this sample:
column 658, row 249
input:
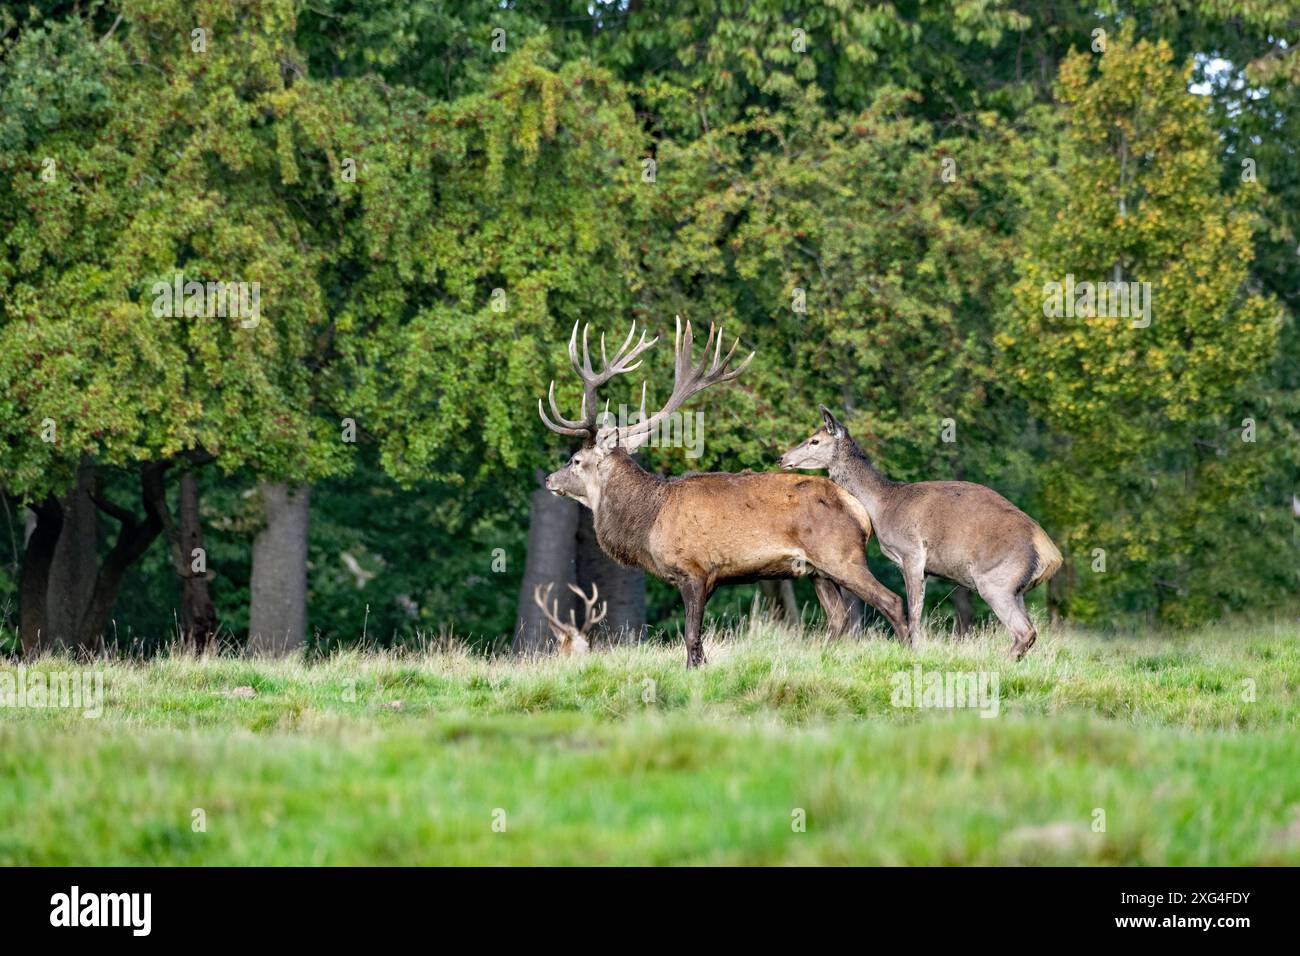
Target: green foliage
column 703, row 64
column 907, row 169
column 488, row 226
column 444, row 50
column 872, row 298
column 177, row 163
column 431, row 560
column 1147, row 420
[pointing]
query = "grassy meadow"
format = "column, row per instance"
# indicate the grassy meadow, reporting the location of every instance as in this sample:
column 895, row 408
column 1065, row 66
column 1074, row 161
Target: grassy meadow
column 785, row 748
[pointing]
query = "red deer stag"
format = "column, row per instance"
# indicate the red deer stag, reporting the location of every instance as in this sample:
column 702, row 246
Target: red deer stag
column 702, row 530
column 571, row 638
column 958, row 530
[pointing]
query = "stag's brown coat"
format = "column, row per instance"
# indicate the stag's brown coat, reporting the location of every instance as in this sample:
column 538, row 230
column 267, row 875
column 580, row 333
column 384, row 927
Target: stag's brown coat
column 703, row 530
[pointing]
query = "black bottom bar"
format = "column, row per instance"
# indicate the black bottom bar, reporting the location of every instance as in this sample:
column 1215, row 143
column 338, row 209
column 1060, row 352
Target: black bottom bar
column 335, row 906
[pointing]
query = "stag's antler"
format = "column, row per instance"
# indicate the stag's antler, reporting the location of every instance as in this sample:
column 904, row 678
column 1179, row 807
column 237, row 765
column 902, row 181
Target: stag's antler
column 590, row 616
column 571, row 637
column 586, row 425
column 687, row 380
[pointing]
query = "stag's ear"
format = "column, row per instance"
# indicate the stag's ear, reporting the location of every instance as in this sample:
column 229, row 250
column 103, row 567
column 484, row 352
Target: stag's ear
column 611, row 438
column 833, row 425
column 607, row 439
column 636, row 441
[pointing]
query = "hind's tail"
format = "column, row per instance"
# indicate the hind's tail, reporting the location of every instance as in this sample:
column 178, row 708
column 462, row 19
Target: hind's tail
column 1049, row 558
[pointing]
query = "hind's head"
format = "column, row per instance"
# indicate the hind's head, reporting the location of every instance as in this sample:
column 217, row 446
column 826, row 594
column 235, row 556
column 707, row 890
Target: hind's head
column 819, row 450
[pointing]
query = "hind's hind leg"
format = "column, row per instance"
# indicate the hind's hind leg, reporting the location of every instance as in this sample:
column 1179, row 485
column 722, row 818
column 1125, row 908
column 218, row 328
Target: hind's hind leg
column 1025, row 639
column 1010, row 609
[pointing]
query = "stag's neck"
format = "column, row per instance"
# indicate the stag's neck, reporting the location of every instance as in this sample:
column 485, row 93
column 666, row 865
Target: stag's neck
column 626, row 510
column 853, row 471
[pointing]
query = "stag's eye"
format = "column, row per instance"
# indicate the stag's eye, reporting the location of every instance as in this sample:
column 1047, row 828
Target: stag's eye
column 813, row 442
column 576, row 461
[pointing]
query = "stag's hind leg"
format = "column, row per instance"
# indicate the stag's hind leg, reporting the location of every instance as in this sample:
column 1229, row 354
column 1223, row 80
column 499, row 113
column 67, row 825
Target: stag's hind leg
column 838, row 552
column 857, row 577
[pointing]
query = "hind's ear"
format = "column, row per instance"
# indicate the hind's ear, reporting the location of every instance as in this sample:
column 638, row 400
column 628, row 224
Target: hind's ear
column 832, row 423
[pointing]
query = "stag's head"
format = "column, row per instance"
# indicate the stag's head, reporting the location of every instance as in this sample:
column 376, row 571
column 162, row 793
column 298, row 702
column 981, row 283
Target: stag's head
column 589, row 468
column 819, row 450
column 571, row 638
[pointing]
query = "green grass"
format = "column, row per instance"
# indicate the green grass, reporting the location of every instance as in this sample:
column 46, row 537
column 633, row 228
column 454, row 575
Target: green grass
column 404, row 759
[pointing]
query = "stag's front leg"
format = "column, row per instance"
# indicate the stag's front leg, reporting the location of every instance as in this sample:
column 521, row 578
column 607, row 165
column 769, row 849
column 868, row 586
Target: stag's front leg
column 694, row 596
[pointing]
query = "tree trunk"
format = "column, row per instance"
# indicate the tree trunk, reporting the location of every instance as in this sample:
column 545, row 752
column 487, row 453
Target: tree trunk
column 133, row 540
column 623, row 588
column 277, row 614
column 75, row 566
column 198, row 619
column 552, row 535
column 198, row 614
column 33, row 585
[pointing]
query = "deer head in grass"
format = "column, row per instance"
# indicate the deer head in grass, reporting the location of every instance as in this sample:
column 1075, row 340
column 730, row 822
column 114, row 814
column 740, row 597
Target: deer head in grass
column 571, row 638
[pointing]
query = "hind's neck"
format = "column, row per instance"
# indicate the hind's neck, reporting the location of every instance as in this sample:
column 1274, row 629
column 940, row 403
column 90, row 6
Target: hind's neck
column 852, row 470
